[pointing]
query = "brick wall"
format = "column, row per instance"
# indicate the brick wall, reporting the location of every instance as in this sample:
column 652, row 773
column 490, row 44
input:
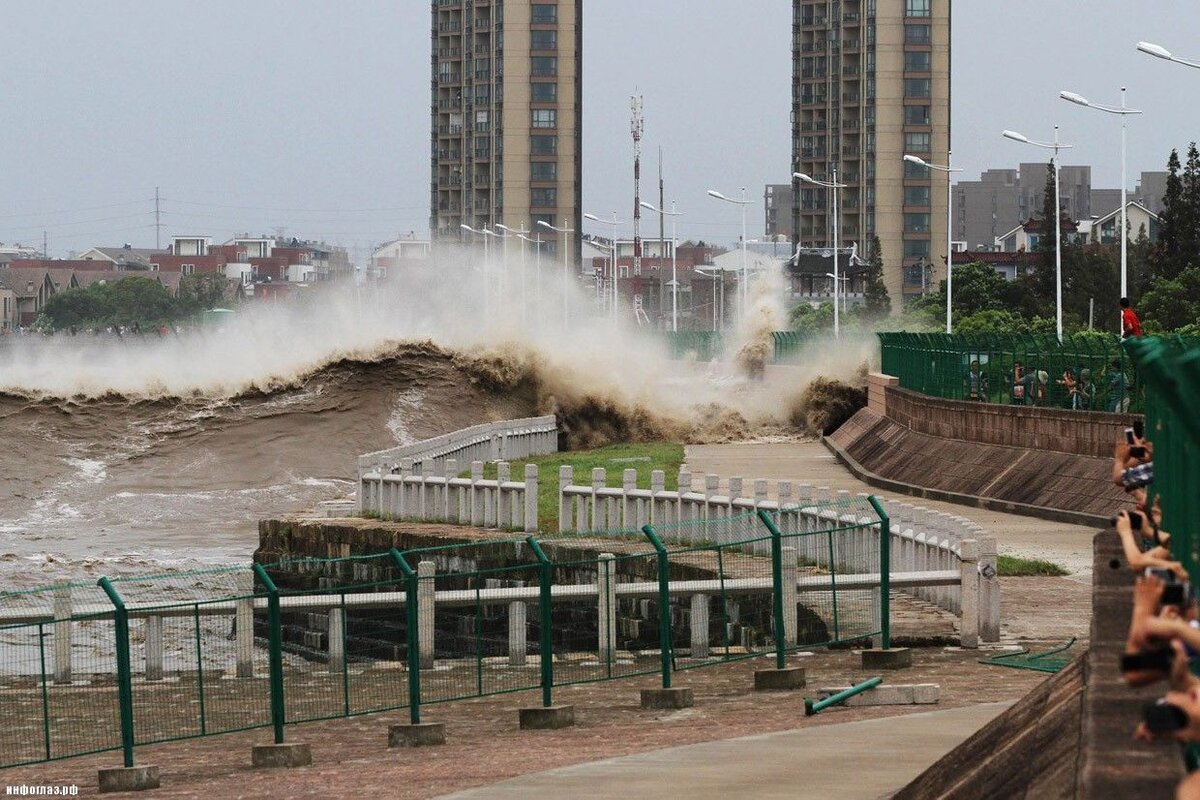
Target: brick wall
column 1058, row 430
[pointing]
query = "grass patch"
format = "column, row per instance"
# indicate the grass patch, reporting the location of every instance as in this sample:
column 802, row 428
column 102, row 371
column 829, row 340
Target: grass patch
column 645, row 458
column 1017, row 567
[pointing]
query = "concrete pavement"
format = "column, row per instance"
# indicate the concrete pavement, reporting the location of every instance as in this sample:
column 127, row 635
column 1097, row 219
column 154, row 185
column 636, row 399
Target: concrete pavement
column 810, row 462
column 863, row 760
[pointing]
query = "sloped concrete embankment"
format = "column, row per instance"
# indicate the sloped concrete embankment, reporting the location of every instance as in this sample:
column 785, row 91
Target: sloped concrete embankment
column 1042, row 462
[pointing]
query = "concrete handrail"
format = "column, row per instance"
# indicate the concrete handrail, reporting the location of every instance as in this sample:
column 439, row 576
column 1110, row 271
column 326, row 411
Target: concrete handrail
column 455, row 443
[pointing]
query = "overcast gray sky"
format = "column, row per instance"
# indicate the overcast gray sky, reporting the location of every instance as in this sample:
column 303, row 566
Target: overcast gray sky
column 255, row 114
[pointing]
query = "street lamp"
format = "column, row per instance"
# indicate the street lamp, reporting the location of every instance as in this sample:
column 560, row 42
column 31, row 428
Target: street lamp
column 949, row 225
column 565, row 231
column 718, row 295
column 1158, row 51
column 843, row 280
column 536, row 241
column 1122, row 112
column 1055, row 146
column 520, row 234
column 487, row 293
column 674, row 261
column 743, row 203
column 613, row 224
column 800, row 176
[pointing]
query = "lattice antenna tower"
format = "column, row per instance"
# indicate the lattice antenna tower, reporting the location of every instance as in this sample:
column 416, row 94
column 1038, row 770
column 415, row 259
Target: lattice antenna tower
column 636, row 127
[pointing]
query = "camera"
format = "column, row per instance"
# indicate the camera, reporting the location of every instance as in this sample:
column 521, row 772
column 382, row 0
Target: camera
column 1137, row 451
column 1176, row 592
column 1135, row 520
column 1129, row 436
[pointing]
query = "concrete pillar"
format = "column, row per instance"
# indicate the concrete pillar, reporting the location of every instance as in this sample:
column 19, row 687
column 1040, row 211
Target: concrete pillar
column 244, row 644
column 403, row 504
column 599, row 481
column 516, row 633
column 504, row 504
column 683, row 510
column 476, row 499
column 531, row 498
column 735, row 487
column 628, row 514
column 969, row 625
column 989, row 591
column 658, row 508
column 417, row 494
column 453, row 508
column 337, row 639
column 62, row 635
column 606, row 591
column 760, row 491
column 566, row 477
column 154, row 648
column 425, row 611
column 699, row 626
column 790, row 622
column 712, row 485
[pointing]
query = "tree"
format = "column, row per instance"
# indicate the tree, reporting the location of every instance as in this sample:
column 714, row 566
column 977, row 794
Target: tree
column 1190, row 233
column 808, row 319
column 202, row 292
column 1170, row 256
column 1173, row 303
column 878, row 303
column 1041, row 281
column 977, row 287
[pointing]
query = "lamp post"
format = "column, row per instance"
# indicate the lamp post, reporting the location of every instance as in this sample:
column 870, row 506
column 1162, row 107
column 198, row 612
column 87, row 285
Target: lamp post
column 743, row 203
column 842, row 280
column 613, row 224
column 520, row 234
column 1055, row 146
column 949, row 227
column 565, row 231
column 673, row 214
column 800, row 176
column 536, row 241
column 487, row 295
column 1122, row 112
column 717, row 274
column 1158, row 51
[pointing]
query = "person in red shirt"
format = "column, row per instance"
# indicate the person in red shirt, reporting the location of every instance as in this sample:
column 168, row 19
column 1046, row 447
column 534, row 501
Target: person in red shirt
column 1130, row 326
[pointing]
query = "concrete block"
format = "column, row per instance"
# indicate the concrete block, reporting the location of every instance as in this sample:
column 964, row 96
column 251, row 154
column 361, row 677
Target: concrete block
column 546, row 718
column 128, row 779
column 889, row 695
column 422, row 734
column 289, row 754
column 779, row 680
column 891, row 658
column 680, row 697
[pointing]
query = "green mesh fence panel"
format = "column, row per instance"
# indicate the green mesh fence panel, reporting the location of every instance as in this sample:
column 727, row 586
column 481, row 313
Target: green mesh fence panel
column 58, row 694
column 1084, row 372
column 694, row 345
column 344, row 636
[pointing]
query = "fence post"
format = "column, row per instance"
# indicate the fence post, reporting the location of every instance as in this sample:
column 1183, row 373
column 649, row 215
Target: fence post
column 885, row 573
column 124, row 676
column 243, row 616
column 154, row 648
column 530, row 514
column 664, row 604
column 699, row 626
column 275, row 652
column 413, row 634
column 969, row 625
column 545, row 620
column 62, row 635
column 426, row 597
column 606, row 590
column 566, row 477
column 504, row 500
column 776, row 588
column 517, row 644
column 989, row 591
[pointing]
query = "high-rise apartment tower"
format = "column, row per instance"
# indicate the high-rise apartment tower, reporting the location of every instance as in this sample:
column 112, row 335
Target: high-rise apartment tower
column 506, row 117
column 871, row 82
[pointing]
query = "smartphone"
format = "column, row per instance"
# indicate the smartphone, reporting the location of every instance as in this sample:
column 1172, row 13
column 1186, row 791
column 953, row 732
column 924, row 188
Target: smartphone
column 1138, row 430
column 1135, row 520
column 1129, row 436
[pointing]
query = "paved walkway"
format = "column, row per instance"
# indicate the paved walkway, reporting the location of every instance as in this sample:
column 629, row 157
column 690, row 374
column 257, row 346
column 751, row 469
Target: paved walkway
column 810, row 462
column 809, row 764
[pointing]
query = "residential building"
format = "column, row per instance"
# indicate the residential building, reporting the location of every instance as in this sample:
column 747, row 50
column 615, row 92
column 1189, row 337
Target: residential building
column 1106, row 230
column 871, row 83
column 123, row 258
column 777, row 210
column 1026, row 237
column 11, row 252
column 403, row 253
column 506, row 117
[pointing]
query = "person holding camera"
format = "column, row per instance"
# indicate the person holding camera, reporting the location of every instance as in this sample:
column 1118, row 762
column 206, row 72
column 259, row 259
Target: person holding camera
column 1133, row 464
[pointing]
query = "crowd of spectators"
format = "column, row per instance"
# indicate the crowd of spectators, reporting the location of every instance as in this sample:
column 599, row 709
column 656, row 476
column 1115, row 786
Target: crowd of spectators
column 1164, row 631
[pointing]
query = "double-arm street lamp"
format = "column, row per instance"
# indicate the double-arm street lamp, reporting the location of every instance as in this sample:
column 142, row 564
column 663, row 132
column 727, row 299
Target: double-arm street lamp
column 613, row 224
column 1122, row 112
column 1055, row 146
column 949, row 227
column 566, row 232
column 673, row 214
column 800, row 176
column 743, row 203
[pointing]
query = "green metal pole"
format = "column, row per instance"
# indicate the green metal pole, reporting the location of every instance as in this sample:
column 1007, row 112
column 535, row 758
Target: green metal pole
column 274, row 653
column 812, row 707
column 776, row 587
column 545, row 639
column 124, row 673
column 885, row 572
column 413, row 635
column 664, row 604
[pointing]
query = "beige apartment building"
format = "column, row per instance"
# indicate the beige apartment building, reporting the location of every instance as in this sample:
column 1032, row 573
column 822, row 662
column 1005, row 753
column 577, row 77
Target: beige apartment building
column 871, row 82
column 507, row 118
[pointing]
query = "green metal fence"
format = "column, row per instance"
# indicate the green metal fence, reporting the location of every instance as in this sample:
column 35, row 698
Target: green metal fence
column 1084, row 372
column 788, row 346
column 86, row 668
column 1170, row 369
